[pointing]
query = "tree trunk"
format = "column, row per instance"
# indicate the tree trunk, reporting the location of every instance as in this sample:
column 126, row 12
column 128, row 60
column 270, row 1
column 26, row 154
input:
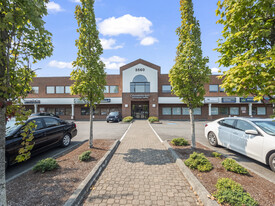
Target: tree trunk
column 3, row 200
column 91, row 126
column 193, row 138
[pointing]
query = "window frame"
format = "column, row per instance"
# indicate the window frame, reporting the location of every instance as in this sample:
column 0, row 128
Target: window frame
column 59, row 87
column 166, row 91
column 48, row 87
column 216, row 85
column 166, row 108
column 34, row 91
column 113, row 92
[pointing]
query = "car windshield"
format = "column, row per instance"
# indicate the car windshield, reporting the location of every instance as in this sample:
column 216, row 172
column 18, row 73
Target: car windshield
column 11, row 126
column 267, row 126
column 113, row 113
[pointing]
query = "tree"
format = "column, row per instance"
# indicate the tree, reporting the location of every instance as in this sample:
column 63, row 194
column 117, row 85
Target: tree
column 89, row 76
column 248, row 47
column 23, row 40
column 190, row 73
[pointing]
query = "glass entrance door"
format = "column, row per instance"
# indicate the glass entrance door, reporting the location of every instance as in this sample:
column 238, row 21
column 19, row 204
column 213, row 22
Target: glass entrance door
column 140, row 111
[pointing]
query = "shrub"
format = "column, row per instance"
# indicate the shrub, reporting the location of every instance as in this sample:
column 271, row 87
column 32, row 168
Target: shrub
column 127, row 119
column 233, row 166
column 198, row 161
column 44, row 165
column 216, row 154
column 179, row 142
column 230, row 192
column 153, row 119
column 85, row 156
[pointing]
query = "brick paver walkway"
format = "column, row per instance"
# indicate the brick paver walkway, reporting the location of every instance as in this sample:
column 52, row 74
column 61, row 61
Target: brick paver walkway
column 141, row 173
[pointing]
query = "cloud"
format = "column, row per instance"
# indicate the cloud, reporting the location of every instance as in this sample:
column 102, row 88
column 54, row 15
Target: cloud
column 110, row 44
column 54, row 7
column 60, row 64
column 147, row 41
column 75, row 1
column 114, row 62
column 215, row 70
column 127, row 24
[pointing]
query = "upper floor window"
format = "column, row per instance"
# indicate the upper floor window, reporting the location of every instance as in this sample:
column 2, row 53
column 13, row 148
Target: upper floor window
column 140, row 85
column 67, row 89
column 221, row 89
column 59, row 89
column 213, row 88
column 166, row 88
column 106, row 90
column 50, row 89
column 35, row 90
column 113, row 89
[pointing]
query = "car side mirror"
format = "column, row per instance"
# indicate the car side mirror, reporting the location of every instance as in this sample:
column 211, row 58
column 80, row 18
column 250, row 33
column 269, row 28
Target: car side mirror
column 251, row 131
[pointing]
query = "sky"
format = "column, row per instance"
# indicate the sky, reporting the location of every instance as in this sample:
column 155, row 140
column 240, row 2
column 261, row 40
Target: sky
column 129, row 30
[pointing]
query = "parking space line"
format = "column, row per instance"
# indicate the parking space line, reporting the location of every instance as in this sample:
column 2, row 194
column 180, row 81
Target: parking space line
column 125, row 133
column 155, row 133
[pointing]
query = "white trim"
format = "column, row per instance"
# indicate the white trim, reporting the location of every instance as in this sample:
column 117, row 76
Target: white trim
column 155, row 132
column 125, row 132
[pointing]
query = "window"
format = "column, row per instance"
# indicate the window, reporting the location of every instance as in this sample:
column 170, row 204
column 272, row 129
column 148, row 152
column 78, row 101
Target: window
column 97, row 111
column 214, row 110
column 51, row 122
column 50, row 89
column 113, row 89
column 85, row 111
column 140, row 85
column 60, row 111
column 59, row 89
column 176, row 111
column 140, row 78
column 223, row 110
column 213, row 88
column 227, row 122
column 254, row 110
column 243, row 125
column 106, row 90
column 35, row 90
column 166, row 110
column 67, row 89
column 38, row 124
column 166, row 88
column 104, row 111
column 197, row 111
column 221, row 89
column 68, row 111
column 234, row 110
column 185, row 111
column 50, row 110
column 261, row 111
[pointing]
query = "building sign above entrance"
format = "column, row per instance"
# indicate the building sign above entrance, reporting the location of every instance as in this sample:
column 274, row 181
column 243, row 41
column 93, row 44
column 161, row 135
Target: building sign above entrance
column 229, row 99
column 32, row 101
column 105, row 101
column 249, row 99
column 140, row 96
column 211, row 100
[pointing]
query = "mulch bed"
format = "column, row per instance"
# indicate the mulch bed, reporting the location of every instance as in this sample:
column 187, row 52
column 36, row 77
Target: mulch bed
column 55, row 187
column 260, row 189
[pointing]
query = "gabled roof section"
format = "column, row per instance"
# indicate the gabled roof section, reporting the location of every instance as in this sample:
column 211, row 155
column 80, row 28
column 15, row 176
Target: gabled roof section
column 140, row 61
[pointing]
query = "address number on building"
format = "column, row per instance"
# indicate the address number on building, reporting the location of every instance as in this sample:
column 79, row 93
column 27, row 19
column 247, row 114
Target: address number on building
column 140, row 69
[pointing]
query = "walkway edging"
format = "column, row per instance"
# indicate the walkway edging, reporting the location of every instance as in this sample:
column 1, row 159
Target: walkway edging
column 77, row 197
column 193, row 181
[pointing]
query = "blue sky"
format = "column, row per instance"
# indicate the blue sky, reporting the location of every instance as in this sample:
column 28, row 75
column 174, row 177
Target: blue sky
column 129, row 30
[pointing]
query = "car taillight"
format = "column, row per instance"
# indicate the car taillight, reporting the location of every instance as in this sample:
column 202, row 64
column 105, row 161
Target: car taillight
column 206, row 125
column 74, row 125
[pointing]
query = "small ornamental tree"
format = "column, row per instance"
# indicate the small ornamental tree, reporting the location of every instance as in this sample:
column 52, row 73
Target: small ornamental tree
column 23, row 40
column 247, row 47
column 89, row 76
column 190, row 73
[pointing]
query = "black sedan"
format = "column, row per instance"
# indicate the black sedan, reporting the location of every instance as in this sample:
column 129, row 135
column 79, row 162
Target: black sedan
column 49, row 132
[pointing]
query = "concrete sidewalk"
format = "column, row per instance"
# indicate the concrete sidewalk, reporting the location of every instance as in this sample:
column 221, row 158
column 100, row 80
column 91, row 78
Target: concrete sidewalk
column 141, row 172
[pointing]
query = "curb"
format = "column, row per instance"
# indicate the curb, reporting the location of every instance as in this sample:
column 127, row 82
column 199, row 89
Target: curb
column 193, row 181
column 79, row 194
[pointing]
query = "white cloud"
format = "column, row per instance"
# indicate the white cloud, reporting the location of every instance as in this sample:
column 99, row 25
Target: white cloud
column 76, row 1
column 147, row 41
column 60, row 64
column 127, row 24
column 110, row 44
column 54, row 7
column 215, row 70
column 114, row 62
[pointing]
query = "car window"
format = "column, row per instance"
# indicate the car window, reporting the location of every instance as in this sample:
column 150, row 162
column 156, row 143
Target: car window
column 51, row 122
column 243, row 125
column 227, row 122
column 267, row 126
column 39, row 124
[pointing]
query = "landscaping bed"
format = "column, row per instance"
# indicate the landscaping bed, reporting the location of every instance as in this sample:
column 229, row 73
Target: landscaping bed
column 55, row 187
column 259, row 188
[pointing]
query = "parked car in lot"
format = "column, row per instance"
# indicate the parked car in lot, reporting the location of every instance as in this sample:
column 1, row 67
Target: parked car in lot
column 114, row 117
column 44, row 114
column 252, row 137
column 49, row 132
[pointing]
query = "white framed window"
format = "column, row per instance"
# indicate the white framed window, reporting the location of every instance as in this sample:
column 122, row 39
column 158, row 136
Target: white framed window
column 166, row 110
column 35, row 90
column 261, row 111
column 113, row 89
column 214, row 110
column 213, row 88
column 166, row 88
column 67, row 89
column 185, row 111
column 59, row 89
column 197, row 111
column 50, row 89
column 234, row 111
column 176, row 111
column 106, row 90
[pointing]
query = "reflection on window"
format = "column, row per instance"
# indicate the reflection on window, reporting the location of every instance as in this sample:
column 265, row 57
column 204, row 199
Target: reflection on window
column 85, row 111
column 261, row 111
column 140, row 78
column 59, row 90
column 166, row 110
column 176, row 111
column 104, row 111
column 197, row 111
column 35, row 90
column 113, row 89
column 51, row 122
column 106, row 90
column 50, row 89
column 166, row 88
column 140, row 85
column 234, row 110
column 221, row 89
column 243, row 125
column 67, row 89
column 185, row 111
column 213, row 88
column 214, row 111
column 223, row 110
column 60, row 111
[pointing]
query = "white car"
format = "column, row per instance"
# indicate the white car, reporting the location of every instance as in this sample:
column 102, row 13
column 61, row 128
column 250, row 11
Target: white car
column 252, row 137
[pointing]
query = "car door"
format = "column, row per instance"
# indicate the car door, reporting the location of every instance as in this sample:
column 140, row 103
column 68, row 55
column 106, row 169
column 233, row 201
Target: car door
column 247, row 144
column 225, row 130
column 39, row 134
column 54, row 130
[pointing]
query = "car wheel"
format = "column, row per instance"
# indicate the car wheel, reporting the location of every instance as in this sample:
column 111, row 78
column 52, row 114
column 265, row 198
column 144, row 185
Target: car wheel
column 272, row 162
column 66, row 140
column 107, row 121
column 212, row 139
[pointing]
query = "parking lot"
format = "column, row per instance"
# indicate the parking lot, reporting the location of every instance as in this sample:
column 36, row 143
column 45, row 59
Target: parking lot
column 174, row 129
